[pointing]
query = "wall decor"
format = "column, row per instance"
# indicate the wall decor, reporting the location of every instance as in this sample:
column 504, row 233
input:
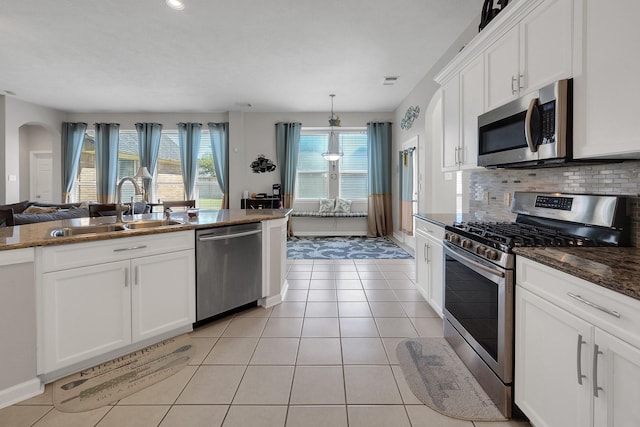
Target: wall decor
column 411, row 114
column 261, row 165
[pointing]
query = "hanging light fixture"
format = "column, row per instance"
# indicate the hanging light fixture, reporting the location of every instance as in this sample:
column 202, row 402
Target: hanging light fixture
column 334, row 152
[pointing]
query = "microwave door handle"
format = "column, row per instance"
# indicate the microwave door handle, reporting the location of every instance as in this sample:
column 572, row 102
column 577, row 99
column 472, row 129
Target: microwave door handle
column 527, row 125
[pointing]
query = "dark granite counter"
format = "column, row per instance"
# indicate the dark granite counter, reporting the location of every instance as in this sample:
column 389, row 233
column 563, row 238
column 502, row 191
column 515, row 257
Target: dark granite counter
column 617, row 269
column 39, row 234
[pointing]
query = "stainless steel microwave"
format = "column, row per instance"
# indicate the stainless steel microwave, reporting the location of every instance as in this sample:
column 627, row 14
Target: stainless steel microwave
column 533, row 130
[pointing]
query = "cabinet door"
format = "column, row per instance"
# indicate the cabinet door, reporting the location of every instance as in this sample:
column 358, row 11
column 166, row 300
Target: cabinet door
column 552, row 348
column 163, row 293
column 86, row 313
column 546, row 36
column 618, row 369
column 471, row 106
column 435, row 257
column 502, row 74
column 605, row 96
column 451, row 124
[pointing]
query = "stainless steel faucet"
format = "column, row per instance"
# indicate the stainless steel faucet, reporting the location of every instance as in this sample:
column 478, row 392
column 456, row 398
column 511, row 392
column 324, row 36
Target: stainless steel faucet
column 119, row 196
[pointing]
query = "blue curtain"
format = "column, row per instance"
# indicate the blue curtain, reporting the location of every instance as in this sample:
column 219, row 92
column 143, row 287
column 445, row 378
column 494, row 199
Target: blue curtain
column 219, row 134
column 379, row 220
column 287, row 149
column 406, row 190
column 148, row 148
column 107, row 139
column 189, row 141
column 72, row 140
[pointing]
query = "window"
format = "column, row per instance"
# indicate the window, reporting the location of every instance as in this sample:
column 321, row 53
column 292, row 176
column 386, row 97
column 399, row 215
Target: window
column 318, row 178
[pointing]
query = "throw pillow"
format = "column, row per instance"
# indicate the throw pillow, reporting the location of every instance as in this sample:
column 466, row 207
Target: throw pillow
column 326, row 205
column 342, row 206
column 40, row 210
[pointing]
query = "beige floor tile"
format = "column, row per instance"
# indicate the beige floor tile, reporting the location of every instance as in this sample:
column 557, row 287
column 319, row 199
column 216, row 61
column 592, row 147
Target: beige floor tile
column 320, row 327
column 396, row 266
column 363, row 351
column 358, row 327
column 245, row 327
column 394, row 275
column 45, row 398
column 276, row 351
column 348, row 284
column 345, row 267
column 317, row 385
column 323, row 267
column 322, row 295
column 378, row 416
column 265, row 385
column 354, row 309
column 421, row 415
column 353, row 295
column 296, row 295
column 212, row 385
column 258, row 311
column 428, row 326
column 301, row 267
column 319, row 351
column 283, row 327
column 255, row 416
column 164, row 392
column 407, row 395
column 322, row 275
column 20, row 416
column 231, row 351
column 371, row 385
column 55, row 418
column 366, row 266
column 289, row 309
column 509, row 423
column 370, row 275
column 195, row 416
column 347, row 275
column 322, row 309
column 387, row 309
column 390, row 346
column 202, row 347
column 409, row 295
column 134, row 416
column 396, row 327
column 404, row 283
column 212, row 330
column 418, row 309
column 375, row 284
column 299, row 275
column 322, row 284
column 317, row 416
column 298, row 284
column 381, row 295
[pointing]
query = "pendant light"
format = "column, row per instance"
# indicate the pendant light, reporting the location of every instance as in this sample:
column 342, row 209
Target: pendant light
column 334, row 152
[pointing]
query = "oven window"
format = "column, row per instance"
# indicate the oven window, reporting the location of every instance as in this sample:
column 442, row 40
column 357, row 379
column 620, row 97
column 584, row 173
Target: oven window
column 473, row 301
column 506, row 134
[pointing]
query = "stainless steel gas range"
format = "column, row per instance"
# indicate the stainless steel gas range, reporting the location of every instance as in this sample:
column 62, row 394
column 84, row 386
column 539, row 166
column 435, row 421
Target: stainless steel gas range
column 479, row 274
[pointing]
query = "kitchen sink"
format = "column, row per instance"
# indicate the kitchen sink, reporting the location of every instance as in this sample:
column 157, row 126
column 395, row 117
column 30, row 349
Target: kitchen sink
column 133, row 225
column 87, row 229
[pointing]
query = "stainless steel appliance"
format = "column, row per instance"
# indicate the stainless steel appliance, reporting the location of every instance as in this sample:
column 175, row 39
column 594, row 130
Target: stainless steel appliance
column 479, row 274
column 533, row 130
column 228, row 268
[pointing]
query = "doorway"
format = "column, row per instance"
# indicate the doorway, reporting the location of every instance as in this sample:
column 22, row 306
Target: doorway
column 41, row 166
column 409, row 189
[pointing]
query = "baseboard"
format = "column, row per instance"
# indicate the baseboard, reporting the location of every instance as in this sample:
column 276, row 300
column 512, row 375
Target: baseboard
column 272, row 300
column 328, row 233
column 20, row 392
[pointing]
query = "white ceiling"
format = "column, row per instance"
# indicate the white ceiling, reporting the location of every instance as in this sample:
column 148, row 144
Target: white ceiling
column 218, row 55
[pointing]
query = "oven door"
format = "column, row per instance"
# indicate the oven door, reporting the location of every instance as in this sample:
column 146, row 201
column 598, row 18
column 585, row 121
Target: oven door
column 478, row 303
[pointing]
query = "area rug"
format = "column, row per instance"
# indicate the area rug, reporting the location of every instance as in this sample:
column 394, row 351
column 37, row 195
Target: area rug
column 111, row 381
column 344, row 248
column 440, row 380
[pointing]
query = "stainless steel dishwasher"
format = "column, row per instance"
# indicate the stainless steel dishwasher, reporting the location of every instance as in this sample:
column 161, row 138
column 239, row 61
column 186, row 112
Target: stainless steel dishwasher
column 228, row 268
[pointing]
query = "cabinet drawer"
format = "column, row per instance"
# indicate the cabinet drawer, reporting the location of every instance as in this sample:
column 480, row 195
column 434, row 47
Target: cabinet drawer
column 430, row 229
column 75, row 255
column 555, row 286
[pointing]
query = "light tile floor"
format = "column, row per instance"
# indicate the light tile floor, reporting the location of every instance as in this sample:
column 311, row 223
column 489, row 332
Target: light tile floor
column 323, row 357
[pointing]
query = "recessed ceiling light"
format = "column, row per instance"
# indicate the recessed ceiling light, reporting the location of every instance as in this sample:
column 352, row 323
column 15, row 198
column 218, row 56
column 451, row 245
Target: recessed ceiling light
column 175, row 4
column 390, row 80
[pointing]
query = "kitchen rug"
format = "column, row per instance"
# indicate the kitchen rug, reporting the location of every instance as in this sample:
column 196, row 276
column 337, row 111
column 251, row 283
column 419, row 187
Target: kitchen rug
column 349, row 247
column 440, row 380
column 111, row 381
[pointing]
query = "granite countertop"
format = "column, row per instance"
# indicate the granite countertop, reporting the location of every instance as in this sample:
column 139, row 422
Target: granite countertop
column 442, row 219
column 617, row 269
column 39, row 234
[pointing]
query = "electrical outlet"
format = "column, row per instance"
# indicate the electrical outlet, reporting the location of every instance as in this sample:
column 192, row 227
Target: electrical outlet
column 507, row 199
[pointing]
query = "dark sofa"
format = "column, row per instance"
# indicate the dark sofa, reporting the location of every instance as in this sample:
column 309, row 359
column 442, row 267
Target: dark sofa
column 42, row 212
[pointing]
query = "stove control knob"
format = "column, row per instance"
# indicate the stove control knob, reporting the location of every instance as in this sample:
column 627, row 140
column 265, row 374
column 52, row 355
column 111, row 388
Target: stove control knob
column 466, row 243
column 480, row 250
column 492, row 255
column 454, row 238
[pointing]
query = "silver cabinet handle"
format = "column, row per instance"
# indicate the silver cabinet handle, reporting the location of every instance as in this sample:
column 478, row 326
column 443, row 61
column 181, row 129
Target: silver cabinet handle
column 425, row 252
column 428, row 257
column 126, row 277
column 579, row 361
column 594, row 305
column 513, row 85
column 596, row 352
column 133, row 248
column 137, row 278
column 521, row 81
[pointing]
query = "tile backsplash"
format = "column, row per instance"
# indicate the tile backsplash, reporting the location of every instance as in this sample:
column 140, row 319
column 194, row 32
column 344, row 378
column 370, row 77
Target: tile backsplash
column 491, row 189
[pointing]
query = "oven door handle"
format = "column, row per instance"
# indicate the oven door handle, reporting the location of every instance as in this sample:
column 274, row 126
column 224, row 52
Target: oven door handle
column 473, row 264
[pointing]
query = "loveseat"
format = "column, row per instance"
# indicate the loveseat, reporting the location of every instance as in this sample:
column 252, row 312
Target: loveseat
column 27, row 212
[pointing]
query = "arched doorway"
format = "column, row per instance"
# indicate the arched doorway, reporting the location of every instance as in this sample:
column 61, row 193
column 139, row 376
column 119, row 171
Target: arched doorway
column 36, row 163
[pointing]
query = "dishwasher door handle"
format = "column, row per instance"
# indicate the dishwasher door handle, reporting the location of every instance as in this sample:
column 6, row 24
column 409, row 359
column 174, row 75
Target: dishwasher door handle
column 210, row 237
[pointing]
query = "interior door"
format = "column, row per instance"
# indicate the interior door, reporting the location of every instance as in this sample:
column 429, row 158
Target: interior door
column 41, row 177
column 409, row 189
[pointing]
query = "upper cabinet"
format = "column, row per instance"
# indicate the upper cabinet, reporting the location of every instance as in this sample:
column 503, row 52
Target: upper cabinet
column 605, row 88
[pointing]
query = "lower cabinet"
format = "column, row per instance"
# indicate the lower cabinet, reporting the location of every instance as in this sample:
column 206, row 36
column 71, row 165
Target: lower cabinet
column 429, row 263
column 571, row 367
column 86, row 312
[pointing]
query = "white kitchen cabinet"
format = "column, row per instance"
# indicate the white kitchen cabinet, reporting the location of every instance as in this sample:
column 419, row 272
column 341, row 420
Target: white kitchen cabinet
column 451, row 124
column 274, row 261
column 429, row 263
column 566, row 349
column 606, row 89
column 532, row 54
column 98, row 297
